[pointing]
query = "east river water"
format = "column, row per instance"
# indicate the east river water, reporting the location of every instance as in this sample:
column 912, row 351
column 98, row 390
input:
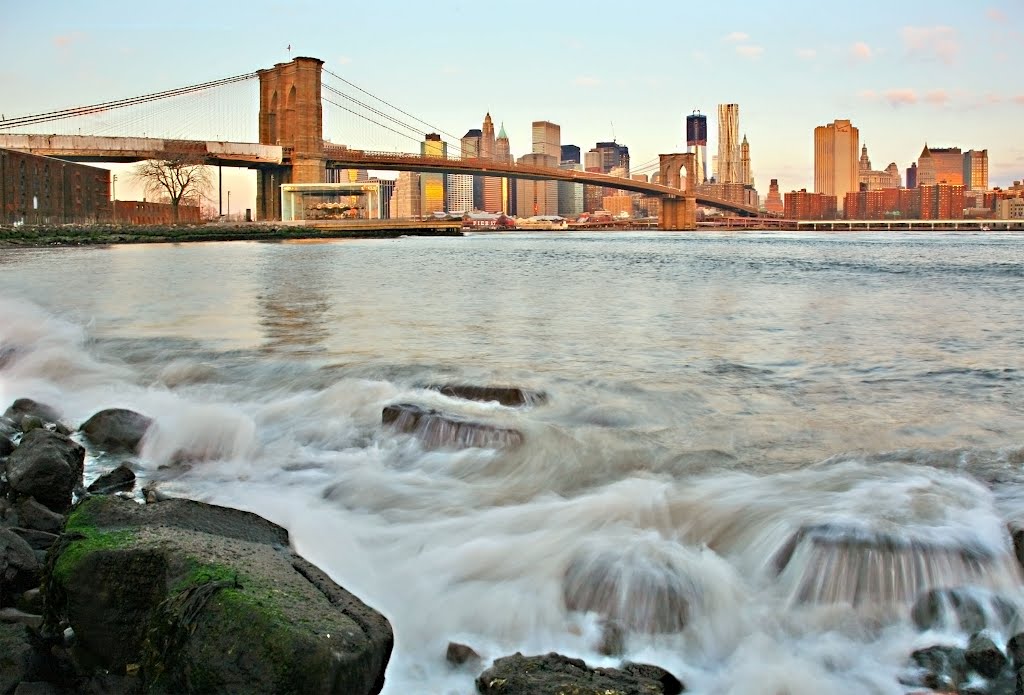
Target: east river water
column 797, row 434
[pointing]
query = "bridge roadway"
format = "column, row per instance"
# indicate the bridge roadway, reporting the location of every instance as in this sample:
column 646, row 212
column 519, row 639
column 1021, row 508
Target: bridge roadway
column 343, row 158
column 94, row 148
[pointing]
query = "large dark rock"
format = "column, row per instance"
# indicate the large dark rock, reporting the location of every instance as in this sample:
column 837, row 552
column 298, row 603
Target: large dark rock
column 26, row 406
column 19, row 568
column 121, row 478
column 33, row 515
column 116, row 429
column 441, row 430
column 984, row 656
column 15, row 656
column 47, row 466
column 1015, row 650
column 208, row 599
column 505, row 395
column 37, row 540
column 554, row 674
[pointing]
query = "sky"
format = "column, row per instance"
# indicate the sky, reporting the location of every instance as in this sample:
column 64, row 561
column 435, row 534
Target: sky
column 906, row 72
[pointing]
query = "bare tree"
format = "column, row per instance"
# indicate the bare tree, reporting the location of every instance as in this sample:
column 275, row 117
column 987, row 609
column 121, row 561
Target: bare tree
column 182, row 178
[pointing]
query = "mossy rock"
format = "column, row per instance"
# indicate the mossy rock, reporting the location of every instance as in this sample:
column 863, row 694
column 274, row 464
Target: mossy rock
column 208, row 599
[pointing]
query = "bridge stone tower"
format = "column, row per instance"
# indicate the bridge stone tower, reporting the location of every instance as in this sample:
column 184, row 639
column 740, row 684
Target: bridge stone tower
column 678, row 212
column 291, row 115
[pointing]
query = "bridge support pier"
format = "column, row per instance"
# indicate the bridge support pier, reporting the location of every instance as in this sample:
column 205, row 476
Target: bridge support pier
column 291, row 115
column 678, row 214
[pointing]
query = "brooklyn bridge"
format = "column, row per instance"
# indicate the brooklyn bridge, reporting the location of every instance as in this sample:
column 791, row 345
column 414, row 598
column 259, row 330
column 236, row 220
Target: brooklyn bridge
column 292, row 149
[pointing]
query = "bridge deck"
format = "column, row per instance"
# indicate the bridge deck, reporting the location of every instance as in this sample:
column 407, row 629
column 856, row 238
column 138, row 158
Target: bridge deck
column 93, row 148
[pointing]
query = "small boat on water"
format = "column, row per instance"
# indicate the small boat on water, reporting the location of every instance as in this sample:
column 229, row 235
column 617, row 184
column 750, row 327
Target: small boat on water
column 542, row 222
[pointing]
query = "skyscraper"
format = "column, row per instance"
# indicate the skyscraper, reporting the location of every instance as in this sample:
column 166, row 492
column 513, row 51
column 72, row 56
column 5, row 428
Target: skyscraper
column 976, row 170
column 773, row 203
column 470, row 146
column 505, row 192
column 697, row 143
column 729, row 143
column 537, row 197
column 835, row 159
column 547, row 139
column 492, row 186
column 940, row 165
column 405, row 199
column 432, row 186
column 746, row 175
column 570, row 195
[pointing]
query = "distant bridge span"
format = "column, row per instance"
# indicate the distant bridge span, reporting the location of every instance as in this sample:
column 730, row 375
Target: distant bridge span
column 95, row 148
column 343, row 158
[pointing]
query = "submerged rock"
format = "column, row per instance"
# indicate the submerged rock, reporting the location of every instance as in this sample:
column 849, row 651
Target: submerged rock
column 460, row 654
column 944, row 667
column 440, row 430
column 116, row 429
column 984, row 656
column 966, row 609
column 117, row 480
column 208, row 599
column 505, row 395
column 554, row 674
column 636, row 590
column 834, row 563
column 47, row 466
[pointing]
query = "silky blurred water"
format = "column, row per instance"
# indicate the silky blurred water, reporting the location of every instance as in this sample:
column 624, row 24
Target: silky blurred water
column 709, row 396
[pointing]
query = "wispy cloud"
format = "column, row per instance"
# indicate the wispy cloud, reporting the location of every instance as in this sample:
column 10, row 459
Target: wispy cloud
column 699, row 56
column 995, row 14
column 750, row 51
column 939, row 97
column 861, row 51
column 900, row 97
column 587, row 81
column 1019, row 99
column 938, row 42
column 65, row 41
column 736, row 37
column 342, row 60
column 806, row 53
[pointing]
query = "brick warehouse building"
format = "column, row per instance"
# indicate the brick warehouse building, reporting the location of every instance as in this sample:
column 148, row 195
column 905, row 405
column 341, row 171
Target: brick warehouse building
column 44, row 190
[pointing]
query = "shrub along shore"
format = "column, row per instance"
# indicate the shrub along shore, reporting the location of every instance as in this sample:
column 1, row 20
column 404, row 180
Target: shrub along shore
column 101, row 234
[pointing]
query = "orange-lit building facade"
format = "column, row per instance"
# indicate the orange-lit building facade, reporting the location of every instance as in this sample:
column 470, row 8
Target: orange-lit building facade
column 801, row 205
column 935, row 202
column 941, row 165
column 773, row 203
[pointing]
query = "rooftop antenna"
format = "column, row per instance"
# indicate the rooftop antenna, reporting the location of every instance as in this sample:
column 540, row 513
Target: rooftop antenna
column 289, row 50
column 613, row 130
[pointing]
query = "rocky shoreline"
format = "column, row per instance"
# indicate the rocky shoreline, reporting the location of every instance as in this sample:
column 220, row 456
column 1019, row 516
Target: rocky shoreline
column 103, row 590
column 104, row 234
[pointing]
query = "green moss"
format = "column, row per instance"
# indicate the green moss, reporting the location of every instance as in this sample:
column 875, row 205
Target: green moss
column 92, row 540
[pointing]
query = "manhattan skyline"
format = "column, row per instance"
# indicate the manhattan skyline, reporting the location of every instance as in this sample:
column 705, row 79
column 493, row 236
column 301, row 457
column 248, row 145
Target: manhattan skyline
column 935, row 75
